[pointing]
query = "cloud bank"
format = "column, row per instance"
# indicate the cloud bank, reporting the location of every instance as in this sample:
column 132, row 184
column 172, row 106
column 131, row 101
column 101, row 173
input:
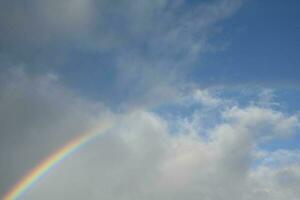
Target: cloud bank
column 142, row 157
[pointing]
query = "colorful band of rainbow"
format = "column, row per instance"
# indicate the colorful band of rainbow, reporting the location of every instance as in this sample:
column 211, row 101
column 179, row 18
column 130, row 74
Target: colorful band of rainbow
column 45, row 166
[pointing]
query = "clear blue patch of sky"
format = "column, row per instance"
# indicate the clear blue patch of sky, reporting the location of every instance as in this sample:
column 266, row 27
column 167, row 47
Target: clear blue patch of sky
column 264, row 46
column 91, row 72
column 290, row 143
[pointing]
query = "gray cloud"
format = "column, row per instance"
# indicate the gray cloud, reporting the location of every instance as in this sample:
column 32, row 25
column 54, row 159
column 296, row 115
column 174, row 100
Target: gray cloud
column 38, row 115
column 160, row 23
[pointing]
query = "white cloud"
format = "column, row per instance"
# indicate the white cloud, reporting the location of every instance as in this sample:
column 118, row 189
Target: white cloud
column 139, row 158
column 267, row 121
column 204, row 97
column 281, row 183
column 153, row 45
column 266, row 98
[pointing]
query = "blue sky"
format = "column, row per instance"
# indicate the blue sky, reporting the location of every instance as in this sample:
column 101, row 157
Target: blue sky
column 192, row 88
column 258, row 45
column 263, row 45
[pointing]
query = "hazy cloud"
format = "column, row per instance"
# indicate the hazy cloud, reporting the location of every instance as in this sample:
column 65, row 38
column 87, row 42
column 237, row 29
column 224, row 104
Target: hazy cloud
column 150, row 46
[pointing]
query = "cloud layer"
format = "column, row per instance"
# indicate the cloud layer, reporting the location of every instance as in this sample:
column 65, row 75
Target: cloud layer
column 142, row 157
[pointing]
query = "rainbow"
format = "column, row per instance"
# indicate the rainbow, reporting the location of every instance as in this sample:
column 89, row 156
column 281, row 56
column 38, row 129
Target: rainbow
column 50, row 162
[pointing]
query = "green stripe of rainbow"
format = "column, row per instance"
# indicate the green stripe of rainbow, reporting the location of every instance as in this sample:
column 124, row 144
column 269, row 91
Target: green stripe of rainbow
column 41, row 169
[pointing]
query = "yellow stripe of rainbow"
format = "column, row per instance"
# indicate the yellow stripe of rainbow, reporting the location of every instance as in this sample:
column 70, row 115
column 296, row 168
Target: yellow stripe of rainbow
column 35, row 174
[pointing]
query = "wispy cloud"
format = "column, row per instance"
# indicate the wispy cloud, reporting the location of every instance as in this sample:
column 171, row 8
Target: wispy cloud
column 151, row 46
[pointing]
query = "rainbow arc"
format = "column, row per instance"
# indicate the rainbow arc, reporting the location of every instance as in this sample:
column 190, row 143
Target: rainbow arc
column 50, row 162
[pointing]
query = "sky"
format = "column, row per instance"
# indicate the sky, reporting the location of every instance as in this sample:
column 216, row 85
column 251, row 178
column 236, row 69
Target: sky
column 202, row 98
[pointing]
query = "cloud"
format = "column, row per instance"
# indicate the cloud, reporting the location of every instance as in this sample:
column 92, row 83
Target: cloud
column 275, row 183
column 279, row 158
column 42, row 22
column 107, row 24
column 140, row 157
column 148, row 162
column 205, row 98
column 212, row 148
column 38, row 115
column 149, row 46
